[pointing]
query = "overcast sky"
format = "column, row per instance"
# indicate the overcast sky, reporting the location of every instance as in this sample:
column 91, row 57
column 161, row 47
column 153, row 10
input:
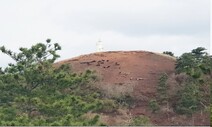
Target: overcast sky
column 153, row 25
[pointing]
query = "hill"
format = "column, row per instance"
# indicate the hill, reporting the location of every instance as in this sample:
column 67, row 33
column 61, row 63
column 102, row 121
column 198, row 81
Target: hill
column 134, row 73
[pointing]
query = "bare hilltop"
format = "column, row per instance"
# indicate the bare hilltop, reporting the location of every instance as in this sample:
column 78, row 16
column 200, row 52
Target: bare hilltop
column 135, row 73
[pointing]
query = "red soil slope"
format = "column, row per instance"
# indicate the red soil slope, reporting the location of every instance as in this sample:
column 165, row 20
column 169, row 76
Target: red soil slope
column 136, row 70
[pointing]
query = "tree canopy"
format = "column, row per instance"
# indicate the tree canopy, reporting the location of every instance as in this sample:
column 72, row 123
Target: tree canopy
column 194, row 93
column 35, row 92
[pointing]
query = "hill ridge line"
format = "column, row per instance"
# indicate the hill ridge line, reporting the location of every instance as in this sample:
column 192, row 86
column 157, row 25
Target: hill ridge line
column 108, row 52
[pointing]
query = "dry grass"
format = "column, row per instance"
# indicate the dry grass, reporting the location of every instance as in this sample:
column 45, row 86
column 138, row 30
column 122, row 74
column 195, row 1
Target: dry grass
column 122, row 118
column 116, row 90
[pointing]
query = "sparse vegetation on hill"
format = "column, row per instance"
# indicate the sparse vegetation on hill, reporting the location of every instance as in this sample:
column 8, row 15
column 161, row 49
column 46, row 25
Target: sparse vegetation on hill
column 168, row 53
column 37, row 91
column 33, row 92
column 195, row 91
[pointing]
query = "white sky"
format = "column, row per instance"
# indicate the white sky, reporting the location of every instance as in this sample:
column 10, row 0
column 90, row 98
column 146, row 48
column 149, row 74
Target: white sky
column 153, row 25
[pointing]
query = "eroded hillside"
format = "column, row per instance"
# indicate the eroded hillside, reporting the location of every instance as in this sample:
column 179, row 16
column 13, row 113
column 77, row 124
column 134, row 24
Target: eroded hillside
column 134, row 73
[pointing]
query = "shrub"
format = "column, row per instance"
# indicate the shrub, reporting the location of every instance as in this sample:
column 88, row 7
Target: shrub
column 125, row 100
column 141, row 121
column 122, row 94
column 168, row 53
column 108, row 106
column 162, row 88
column 154, row 106
column 189, row 99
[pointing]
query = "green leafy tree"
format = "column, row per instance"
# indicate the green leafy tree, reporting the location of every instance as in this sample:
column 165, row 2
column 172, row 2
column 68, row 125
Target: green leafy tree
column 35, row 92
column 33, row 64
column 168, row 53
column 186, row 63
column 194, row 93
column 189, row 99
column 199, row 52
column 195, row 63
column 162, row 88
column 153, row 104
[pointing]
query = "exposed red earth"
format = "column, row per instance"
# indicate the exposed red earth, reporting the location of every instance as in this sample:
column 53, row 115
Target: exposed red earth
column 136, row 73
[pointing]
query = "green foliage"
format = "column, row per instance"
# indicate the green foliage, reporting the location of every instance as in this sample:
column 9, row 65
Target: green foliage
column 168, row 53
column 93, row 121
column 109, row 106
column 194, row 63
column 35, row 93
column 154, row 106
column 162, row 88
column 199, row 51
column 162, row 93
column 192, row 95
column 186, row 63
column 33, row 65
column 125, row 100
column 189, row 98
column 141, row 121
